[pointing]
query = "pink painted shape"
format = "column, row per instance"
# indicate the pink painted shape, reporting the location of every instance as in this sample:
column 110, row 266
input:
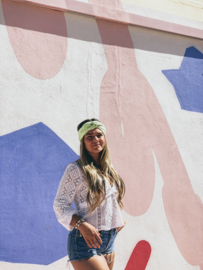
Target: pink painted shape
column 38, row 37
column 114, row 5
column 53, row 4
column 123, row 103
column 113, row 12
column 76, row 6
column 139, row 257
column 128, row 102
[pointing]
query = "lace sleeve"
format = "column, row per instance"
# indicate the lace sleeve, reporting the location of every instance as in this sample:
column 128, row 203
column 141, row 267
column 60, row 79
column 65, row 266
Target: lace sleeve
column 65, row 196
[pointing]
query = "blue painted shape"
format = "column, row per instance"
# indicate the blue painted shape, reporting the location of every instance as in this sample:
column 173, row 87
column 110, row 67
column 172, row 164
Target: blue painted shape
column 32, row 162
column 188, row 80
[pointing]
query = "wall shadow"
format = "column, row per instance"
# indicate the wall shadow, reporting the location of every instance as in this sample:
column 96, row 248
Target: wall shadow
column 26, row 16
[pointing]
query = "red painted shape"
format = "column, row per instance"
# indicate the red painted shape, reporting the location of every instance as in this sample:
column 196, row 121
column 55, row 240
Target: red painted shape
column 140, row 256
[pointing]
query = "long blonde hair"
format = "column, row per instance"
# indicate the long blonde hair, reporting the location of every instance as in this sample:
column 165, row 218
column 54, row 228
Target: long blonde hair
column 97, row 188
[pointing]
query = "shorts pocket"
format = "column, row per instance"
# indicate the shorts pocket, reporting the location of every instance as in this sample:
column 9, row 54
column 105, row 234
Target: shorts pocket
column 111, row 239
column 81, row 246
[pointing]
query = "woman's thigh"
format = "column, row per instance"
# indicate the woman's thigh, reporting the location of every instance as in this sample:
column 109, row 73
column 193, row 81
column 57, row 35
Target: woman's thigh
column 94, row 263
column 110, row 257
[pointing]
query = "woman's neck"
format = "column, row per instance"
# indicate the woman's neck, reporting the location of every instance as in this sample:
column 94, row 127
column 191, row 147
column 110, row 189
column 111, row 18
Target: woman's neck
column 95, row 157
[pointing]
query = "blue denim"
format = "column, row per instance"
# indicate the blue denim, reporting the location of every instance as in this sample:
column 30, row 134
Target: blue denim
column 79, row 250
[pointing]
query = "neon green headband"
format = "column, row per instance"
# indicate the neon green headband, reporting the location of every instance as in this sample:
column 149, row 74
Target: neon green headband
column 89, row 126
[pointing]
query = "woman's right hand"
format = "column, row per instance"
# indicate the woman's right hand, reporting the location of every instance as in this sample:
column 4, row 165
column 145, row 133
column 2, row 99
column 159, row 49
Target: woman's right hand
column 90, row 234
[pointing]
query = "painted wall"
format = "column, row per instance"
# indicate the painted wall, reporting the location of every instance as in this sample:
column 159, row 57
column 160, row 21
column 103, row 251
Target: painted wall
column 146, row 87
column 184, row 12
column 191, row 9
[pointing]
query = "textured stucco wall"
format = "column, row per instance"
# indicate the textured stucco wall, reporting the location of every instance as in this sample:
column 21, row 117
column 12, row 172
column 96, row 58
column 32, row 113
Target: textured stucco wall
column 187, row 12
column 146, row 86
column 191, row 9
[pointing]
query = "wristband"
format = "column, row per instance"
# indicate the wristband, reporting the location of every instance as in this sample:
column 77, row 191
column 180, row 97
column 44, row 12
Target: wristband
column 79, row 223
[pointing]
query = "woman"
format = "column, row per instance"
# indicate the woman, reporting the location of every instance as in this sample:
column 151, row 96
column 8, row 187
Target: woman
column 97, row 190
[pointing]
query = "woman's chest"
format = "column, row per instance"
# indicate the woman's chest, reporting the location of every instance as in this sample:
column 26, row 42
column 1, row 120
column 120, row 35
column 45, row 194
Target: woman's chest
column 83, row 189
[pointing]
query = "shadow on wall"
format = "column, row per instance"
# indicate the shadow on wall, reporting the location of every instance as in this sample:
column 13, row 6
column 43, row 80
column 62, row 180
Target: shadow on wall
column 32, row 163
column 21, row 17
column 38, row 37
column 82, row 28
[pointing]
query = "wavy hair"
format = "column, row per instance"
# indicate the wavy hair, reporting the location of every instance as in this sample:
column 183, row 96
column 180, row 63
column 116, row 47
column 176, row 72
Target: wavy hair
column 95, row 174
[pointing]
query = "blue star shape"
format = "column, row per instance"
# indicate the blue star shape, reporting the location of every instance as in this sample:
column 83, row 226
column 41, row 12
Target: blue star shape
column 188, row 80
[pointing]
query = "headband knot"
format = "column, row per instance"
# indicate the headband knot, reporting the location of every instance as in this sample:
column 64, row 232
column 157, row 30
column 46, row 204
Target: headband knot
column 89, row 126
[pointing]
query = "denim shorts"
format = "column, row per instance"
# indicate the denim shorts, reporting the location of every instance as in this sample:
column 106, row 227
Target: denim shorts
column 79, row 250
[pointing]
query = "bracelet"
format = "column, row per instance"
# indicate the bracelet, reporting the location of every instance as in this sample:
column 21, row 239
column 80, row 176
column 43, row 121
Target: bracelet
column 79, row 223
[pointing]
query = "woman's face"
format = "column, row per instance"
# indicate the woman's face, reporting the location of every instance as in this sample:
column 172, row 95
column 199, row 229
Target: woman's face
column 94, row 141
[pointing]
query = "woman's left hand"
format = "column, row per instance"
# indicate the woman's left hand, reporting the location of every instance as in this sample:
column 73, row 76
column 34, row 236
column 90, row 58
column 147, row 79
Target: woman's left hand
column 120, row 228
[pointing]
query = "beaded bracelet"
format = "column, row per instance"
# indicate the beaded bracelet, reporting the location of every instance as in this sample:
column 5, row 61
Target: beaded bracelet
column 79, row 223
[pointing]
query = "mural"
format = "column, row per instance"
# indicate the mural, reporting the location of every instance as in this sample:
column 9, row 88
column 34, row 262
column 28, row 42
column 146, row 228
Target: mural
column 58, row 70
column 32, row 162
column 129, row 106
column 39, row 45
column 139, row 257
column 188, row 80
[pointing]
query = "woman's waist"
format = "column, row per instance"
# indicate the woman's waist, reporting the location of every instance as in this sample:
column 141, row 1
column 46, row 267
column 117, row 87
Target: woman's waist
column 103, row 231
column 109, row 231
column 108, row 205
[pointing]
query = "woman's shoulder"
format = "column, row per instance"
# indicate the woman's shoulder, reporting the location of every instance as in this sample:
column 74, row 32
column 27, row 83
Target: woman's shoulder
column 73, row 166
column 74, row 169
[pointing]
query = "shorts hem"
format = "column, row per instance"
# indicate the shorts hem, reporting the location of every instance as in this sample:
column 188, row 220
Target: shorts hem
column 84, row 258
column 104, row 253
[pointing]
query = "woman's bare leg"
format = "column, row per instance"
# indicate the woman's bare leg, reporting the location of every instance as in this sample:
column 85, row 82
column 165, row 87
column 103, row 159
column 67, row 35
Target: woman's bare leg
column 110, row 259
column 94, row 263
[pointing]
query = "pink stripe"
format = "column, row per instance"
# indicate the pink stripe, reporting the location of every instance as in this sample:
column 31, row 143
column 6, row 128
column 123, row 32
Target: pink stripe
column 58, row 5
column 111, row 14
column 117, row 16
column 79, row 7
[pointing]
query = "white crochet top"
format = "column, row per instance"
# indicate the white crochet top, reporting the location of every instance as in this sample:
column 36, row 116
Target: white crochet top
column 73, row 187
